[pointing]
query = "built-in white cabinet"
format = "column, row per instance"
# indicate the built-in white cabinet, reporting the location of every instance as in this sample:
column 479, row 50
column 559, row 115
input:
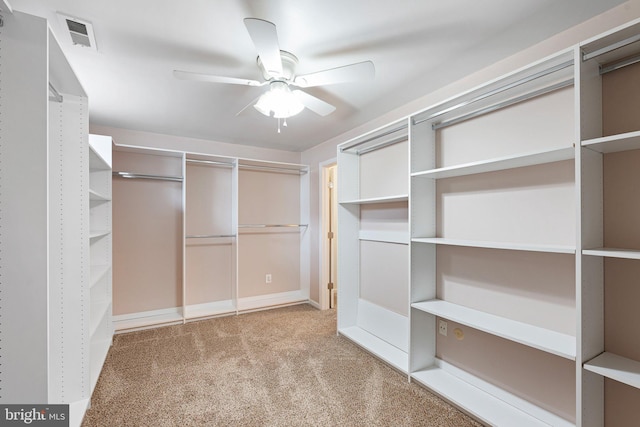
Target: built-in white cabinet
column 55, row 225
column 523, row 246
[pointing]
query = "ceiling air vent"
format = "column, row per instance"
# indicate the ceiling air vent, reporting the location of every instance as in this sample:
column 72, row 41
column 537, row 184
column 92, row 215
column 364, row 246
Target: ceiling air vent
column 80, row 31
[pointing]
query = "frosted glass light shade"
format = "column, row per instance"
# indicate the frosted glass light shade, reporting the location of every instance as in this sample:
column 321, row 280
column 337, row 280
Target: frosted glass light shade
column 279, row 101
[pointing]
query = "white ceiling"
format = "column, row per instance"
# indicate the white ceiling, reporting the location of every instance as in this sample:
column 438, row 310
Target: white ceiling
column 416, row 46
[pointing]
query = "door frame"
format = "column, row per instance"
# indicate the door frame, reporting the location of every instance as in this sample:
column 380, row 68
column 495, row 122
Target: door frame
column 323, row 257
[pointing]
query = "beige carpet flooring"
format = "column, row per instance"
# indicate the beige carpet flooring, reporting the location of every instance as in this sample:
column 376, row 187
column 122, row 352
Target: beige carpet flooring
column 282, row 367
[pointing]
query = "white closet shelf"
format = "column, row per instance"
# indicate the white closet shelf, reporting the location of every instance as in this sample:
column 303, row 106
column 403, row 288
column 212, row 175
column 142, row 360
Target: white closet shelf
column 499, row 163
column 562, row 249
column 95, row 234
column 96, row 196
column 613, row 253
column 385, row 236
column 96, row 162
column 532, row 336
column 614, row 143
column 482, row 400
column 99, row 311
column 616, row 367
column 372, row 200
column 380, row 348
column 98, row 272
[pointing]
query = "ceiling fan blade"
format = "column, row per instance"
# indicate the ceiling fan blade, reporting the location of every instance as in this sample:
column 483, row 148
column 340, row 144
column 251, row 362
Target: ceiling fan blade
column 248, row 105
column 348, row 73
column 186, row 75
column 265, row 39
column 314, row 104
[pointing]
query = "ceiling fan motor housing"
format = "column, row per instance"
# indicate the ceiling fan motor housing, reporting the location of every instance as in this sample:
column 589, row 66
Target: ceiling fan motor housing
column 289, row 64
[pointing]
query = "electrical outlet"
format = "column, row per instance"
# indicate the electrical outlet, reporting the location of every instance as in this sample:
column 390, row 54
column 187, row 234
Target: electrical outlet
column 442, row 328
column 267, row 278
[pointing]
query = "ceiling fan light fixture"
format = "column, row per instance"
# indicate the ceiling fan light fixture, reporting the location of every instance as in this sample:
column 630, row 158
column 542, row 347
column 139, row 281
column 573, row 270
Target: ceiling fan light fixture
column 279, row 102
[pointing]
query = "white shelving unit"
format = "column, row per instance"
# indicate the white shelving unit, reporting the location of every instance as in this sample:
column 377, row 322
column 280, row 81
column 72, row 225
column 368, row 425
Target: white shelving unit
column 522, row 191
column 553, row 342
column 221, row 249
column 47, row 278
column 373, row 240
column 560, row 249
column 609, row 161
column 471, row 195
column 100, row 251
column 210, row 245
column 444, row 129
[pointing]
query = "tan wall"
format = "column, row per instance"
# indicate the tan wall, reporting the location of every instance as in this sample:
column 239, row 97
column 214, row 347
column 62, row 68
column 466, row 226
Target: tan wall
column 544, row 379
column 209, row 274
column 147, row 235
column 268, row 198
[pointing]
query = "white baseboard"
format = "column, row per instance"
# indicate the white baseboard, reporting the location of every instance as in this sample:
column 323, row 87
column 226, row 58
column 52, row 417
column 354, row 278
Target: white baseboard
column 172, row 316
column 147, row 319
column 261, row 302
column 209, row 309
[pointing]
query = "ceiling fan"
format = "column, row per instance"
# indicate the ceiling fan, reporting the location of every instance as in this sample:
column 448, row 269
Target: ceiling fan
column 279, row 71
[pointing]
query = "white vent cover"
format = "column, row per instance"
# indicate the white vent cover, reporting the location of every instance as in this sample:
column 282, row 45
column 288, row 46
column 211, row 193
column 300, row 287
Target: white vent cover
column 79, row 31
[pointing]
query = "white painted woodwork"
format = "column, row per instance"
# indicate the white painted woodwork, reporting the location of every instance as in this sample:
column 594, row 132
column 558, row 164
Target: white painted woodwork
column 562, row 345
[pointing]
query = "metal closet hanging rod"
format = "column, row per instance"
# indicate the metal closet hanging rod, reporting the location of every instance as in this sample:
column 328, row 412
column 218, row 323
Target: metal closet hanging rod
column 611, row 47
column 373, row 138
column 130, row 175
column 496, row 91
column 208, row 236
column 604, row 69
column 274, row 169
column 211, row 162
column 272, row 225
column 504, row 104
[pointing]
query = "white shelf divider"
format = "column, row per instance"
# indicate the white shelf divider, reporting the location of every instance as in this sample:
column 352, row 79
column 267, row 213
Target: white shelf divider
column 380, row 348
column 500, row 163
column 616, row 367
column 99, row 311
column 96, row 196
column 98, row 272
column 399, row 237
column 562, row 249
column 613, row 253
column 387, row 199
column 546, row 340
column 614, row 143
column 94, row 234
column 484, row 401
